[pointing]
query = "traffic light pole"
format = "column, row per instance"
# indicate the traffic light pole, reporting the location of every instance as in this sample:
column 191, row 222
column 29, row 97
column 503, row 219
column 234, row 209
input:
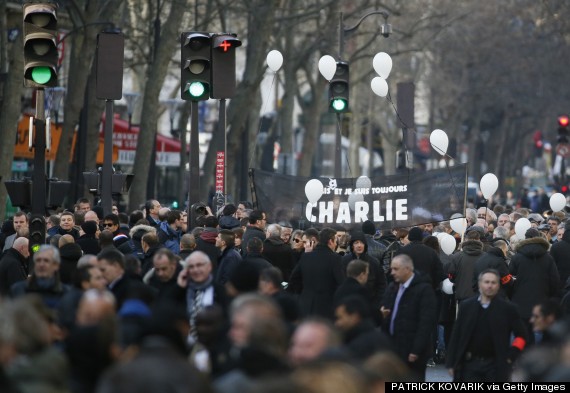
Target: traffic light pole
column 222, row 124
column 194, row 160
column 107, row 175
column 39, row 175
column 338, row 147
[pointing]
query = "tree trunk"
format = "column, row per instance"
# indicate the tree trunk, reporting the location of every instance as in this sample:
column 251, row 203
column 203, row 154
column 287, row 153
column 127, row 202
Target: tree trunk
column 9, row 113
column 83, row 47
column 156, row 75
column 259, row 28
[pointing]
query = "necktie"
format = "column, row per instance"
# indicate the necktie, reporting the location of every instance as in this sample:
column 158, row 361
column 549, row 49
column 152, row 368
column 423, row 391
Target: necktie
column 196, row 307
column 396, row 304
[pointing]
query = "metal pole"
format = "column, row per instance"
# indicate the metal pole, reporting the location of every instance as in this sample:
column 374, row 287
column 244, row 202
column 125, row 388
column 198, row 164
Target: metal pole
column 107, row 175
column 39, row 175
column 194, row 160
column 340, row 36
column 338, row 153
column 222, row 124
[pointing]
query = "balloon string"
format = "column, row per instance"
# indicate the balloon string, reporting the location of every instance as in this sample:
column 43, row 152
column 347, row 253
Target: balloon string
column 338, row 129
column 389, row 98
column 438, row 148
column 254, row 142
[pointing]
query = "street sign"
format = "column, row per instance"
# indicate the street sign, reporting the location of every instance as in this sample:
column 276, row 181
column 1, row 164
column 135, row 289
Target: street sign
column 563, row 150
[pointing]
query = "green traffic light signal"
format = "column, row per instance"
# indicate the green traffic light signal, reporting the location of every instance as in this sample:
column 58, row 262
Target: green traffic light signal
column 41, row 75
column 338, row 104
column 196, row 89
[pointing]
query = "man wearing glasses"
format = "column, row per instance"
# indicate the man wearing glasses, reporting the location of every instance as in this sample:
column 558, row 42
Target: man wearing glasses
column 123, row 242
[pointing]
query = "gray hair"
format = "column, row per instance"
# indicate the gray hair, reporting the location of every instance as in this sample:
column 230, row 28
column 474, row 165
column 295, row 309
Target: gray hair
column 274, row 230
column 197, row 255
column 47, row 247
column 501, row 232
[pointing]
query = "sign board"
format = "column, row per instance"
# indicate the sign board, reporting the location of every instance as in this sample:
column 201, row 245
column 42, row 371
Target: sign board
column 388, row 201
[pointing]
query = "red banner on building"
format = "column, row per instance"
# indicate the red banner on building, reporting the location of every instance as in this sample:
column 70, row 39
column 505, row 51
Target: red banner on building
column 220, row 163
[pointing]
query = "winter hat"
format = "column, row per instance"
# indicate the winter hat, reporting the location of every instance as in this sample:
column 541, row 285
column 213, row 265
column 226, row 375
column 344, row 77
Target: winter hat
column 532, row 232
column 415, row 234
column 368, row 227
column 535, row 217
column 89, row 227
column 357, row 235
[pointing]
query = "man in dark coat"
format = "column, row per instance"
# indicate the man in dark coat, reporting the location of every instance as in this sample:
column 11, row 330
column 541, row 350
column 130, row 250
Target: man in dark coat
column 254, row 255
column 460, row 270
column 536, row 274
column 256, row 228
column 112, row 265
column 166, row 270
column 425, row 259
column 357, row 273
column 560, row 251
column 409, row 312
column 495, row 258
column 150, row 245
column 88, row 241
column 277, row 252
column 229, row 259
column 44, row 280
column 317, row 276
column 376, row 282
column 69, row 252
column 480, row 349
column 361, row 337
column 14, row 265
column 206, row 242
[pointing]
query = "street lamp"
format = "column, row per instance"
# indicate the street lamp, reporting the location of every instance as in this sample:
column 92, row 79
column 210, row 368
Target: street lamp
column 131, row 99
column 386, row 29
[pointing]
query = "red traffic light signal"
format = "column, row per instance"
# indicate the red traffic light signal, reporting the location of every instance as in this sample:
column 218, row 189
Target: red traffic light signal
column 563, row 121
column 223, row 75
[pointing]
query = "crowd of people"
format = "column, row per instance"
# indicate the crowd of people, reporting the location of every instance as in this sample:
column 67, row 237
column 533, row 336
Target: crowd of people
column 239, row 303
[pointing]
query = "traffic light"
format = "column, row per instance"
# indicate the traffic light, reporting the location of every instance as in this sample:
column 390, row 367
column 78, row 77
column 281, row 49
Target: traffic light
column 338, row 88
column 40, row 45
column 37, row 232
column 195, row 66
column 223, row 75
column 563, row 123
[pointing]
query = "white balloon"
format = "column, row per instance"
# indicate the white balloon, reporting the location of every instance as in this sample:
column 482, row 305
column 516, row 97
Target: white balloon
column 382, row 64
column 447, row 286
column 521, row 226
column 447, row 243
column 353, row 198
column 439, row 141
column 557, row 202
column 314, row 190
column 327, row 67
column 458, row 224
column 363, row 182
column 489, row 184
column 274, row 60
column 379, row 86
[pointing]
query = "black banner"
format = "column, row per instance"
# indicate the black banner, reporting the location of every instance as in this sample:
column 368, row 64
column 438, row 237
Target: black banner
column 388, row 201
